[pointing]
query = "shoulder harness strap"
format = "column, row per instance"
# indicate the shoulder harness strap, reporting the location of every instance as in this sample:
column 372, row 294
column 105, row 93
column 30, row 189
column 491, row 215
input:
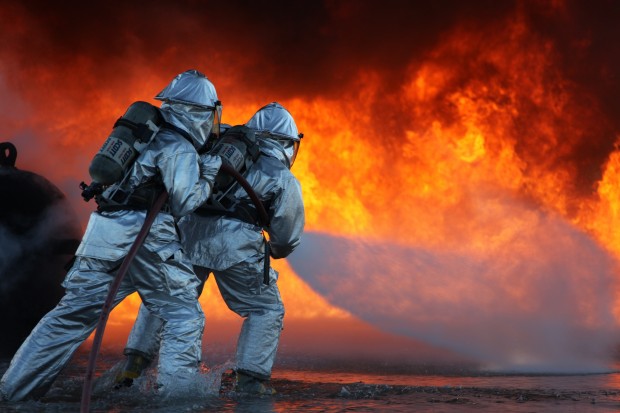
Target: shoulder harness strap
column 182, row 132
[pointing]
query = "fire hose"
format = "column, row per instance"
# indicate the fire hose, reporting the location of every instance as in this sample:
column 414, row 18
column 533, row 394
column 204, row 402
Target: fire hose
column 263, row 217
column 148, row 222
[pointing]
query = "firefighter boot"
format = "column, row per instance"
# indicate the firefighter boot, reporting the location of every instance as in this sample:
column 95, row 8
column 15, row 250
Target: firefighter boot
column 246, row 384
column 134, row 365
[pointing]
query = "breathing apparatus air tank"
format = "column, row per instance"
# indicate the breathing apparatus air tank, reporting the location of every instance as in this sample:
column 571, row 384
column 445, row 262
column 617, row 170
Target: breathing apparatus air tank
column 131, row 133
column 239, row 149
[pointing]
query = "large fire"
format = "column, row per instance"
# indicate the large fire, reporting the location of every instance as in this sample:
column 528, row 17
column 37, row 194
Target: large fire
column 481, row 136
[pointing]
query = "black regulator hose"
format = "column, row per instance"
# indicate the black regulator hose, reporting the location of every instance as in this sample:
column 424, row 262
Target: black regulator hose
column 263, row 218
column 107, row 305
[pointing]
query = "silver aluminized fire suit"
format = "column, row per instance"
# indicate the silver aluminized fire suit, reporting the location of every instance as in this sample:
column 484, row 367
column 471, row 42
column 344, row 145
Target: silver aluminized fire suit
column 234, row 250
column 161, row 273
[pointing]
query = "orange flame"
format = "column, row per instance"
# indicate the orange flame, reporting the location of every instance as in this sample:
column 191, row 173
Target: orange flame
column 486, row 115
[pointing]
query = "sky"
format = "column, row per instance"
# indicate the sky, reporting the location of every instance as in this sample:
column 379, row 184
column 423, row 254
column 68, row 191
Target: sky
column 432, row 129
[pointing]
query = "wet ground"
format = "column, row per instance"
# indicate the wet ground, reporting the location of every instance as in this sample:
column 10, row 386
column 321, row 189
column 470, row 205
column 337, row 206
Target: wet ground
column 419, row 389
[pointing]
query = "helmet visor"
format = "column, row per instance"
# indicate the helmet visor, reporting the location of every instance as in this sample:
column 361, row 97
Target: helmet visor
column 295, row 150
column 290, row 147
column 217, row 118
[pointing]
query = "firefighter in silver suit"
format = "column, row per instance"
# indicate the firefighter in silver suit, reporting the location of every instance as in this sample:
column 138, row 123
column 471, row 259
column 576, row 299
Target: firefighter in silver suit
column 233, row 249
column 161, row 273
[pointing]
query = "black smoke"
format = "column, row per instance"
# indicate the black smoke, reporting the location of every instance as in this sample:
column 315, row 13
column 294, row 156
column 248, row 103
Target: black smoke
column 281, row 50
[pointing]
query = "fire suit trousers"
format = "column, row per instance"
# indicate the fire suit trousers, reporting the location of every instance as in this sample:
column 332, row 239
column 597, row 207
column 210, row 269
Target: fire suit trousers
column 244, row 292
column 167, row 289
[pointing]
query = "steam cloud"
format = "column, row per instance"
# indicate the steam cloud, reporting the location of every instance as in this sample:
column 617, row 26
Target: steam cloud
column 56, row 225
column 539, row 301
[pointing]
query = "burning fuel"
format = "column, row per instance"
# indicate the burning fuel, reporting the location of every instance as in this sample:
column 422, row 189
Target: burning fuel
column 460, row 165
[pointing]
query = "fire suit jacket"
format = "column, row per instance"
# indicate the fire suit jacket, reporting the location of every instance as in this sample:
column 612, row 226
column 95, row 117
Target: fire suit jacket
column 219, row 242
column 187, row 177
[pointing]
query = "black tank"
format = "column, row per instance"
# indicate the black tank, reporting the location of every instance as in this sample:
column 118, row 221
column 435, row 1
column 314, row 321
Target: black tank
column 39, row 233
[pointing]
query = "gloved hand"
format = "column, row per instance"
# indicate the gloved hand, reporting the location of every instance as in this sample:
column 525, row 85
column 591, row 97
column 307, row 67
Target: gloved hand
column 209, row 166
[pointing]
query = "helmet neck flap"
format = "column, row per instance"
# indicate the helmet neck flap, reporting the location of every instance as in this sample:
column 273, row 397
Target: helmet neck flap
column 190, row 102
column 277, row 132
